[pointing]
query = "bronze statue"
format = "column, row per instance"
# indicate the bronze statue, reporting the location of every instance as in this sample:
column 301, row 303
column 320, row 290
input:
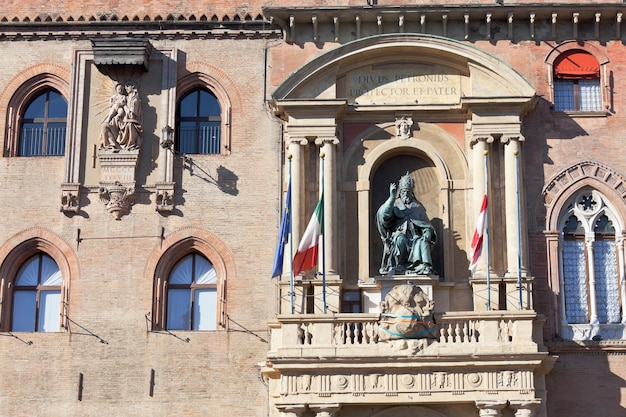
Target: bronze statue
column 406, row 232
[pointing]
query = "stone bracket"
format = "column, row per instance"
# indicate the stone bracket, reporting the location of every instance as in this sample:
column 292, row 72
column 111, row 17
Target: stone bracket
column 117, row 197
column 165, row 197
column 70, row 198
column 117, row 184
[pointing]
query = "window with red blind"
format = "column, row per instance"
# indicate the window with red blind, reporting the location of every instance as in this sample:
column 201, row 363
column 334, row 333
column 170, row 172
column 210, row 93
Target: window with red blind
column 577, row 82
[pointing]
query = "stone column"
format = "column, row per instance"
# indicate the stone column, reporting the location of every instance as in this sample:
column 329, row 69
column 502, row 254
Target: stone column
column 295, row 149
column 291, row 410
column 490, row 408
column 325, row 410
column 591, row 266
column 328, row 149
column 513, row 178
column 524, row 408
column 622, row 277
column 480, row 146
column 485, row 296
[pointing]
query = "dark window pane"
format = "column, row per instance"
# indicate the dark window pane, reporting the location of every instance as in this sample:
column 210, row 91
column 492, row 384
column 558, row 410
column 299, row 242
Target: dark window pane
column 24, row 310
column 36, row 109
column 189, row 105
column 209, row 105
column 57, row 107
column 178, row 309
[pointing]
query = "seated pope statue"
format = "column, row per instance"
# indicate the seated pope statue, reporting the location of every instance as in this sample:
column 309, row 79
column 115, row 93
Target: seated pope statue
column 406, row 232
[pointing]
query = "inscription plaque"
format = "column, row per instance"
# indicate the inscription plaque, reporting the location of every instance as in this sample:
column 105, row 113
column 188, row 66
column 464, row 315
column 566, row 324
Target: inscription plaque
column 404, row 85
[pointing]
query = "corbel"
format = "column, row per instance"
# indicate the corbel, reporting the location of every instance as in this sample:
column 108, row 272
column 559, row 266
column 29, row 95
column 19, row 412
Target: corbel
column 314, row 21
column 466, row 20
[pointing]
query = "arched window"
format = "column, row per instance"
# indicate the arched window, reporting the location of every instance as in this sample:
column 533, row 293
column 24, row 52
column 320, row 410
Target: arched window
column 199, row 123
column 43, row 125
column 36, row 303
column 576, row 75
column 590, row 265
column 191, row 295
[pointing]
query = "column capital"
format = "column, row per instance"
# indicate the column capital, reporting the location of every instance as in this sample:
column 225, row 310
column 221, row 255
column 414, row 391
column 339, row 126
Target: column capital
column 480, row 138
column 490, row 408
column 325, row 410
column 323, row 140
column 296, row 140
column 524, row 408
column 509, row 137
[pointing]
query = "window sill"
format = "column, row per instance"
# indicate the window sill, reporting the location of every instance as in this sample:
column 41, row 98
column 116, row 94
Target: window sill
column 594, row 332
column 572, row 113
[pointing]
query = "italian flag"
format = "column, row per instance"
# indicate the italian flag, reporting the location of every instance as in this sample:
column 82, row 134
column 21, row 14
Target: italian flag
column 477, row 241
column 308, row 249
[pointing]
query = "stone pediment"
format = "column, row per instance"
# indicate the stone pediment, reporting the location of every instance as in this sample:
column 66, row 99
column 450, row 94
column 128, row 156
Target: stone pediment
column 404, row 70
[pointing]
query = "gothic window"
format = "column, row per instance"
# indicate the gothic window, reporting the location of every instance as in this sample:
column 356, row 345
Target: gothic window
column 590, row 262
column 43, row 125
column 191, row 295
column 576, row 76
column 199, row 123
column 36, row 296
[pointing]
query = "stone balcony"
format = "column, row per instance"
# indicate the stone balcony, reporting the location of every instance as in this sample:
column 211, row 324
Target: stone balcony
column 471, row 357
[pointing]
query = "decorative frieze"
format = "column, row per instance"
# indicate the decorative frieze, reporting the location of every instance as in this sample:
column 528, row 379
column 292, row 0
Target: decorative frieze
column 423, row 383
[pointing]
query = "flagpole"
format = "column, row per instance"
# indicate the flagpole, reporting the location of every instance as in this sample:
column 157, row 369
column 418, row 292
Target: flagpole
column 291, row 278
column 519, row 231
column 322, row 155
column 486, row 239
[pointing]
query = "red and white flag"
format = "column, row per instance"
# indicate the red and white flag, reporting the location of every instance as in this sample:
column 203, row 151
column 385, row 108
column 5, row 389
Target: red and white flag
column 308, row 249
column 477, row 241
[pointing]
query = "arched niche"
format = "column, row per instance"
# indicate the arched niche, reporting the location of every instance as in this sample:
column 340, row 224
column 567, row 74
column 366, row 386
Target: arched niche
column 439, row 168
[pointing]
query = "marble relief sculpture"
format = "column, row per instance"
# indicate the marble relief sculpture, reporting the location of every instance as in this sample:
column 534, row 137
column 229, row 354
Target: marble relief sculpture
column 406, row 232
column 123, row 126
column 406, row 313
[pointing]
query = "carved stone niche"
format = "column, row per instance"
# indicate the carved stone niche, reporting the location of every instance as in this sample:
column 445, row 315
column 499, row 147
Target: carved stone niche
column 117, row 184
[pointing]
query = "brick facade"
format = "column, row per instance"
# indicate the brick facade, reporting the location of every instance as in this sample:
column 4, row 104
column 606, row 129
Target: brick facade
column 109, row 360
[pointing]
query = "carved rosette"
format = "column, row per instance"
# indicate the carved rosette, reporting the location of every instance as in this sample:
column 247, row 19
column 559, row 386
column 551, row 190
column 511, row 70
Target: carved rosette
column 118, row 198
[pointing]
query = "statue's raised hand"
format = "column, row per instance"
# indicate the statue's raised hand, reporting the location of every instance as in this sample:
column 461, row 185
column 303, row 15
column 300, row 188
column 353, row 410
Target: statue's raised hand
column 392, row 189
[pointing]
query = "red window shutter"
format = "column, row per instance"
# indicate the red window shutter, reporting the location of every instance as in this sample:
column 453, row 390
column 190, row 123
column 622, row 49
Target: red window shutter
column 576, row 64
